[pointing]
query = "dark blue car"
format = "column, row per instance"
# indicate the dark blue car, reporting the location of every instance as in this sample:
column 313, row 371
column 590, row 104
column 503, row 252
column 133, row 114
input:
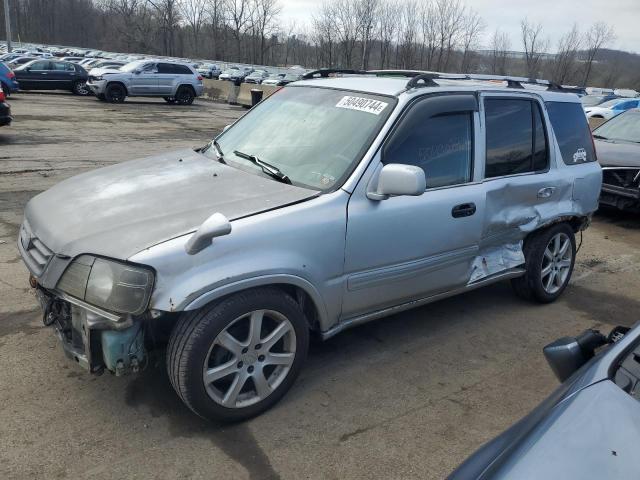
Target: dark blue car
column 8, row 80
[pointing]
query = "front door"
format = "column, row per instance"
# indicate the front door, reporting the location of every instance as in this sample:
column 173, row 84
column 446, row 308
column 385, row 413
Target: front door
column 145, row 82
column 406, row 248
column 35, row 76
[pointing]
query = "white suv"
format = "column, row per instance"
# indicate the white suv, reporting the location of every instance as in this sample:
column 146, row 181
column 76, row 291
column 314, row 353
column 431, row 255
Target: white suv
column 175, row 82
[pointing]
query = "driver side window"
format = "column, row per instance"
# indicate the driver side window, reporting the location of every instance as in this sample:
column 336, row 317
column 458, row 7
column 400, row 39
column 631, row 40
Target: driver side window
column 438, row 140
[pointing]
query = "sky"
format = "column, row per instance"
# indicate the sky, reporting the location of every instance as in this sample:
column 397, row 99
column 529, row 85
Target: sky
column 556, row 16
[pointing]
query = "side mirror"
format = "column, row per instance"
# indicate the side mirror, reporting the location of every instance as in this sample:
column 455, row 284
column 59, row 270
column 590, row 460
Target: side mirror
column 566, row 355
column 396, row 179
column 217, row 225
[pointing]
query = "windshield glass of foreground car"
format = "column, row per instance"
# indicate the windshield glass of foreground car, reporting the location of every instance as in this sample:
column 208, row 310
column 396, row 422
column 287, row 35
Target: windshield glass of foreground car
column 624, row 128
column 315, row 136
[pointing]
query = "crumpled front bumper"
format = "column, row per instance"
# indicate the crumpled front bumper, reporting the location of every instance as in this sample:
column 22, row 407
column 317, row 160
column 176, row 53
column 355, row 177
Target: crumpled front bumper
column 90, row 339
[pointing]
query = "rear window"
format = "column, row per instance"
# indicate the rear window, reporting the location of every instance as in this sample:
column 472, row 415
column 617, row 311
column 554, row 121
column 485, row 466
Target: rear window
column 572, row 132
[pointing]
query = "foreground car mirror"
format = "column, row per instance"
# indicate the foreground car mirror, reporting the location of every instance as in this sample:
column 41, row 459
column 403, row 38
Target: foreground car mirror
column 217, row 225
column 397, row 179
column 566, row 355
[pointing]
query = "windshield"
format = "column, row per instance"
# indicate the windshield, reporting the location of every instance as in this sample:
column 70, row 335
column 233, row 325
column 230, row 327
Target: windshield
column 591, row 100
column 314, row 136
column 610, row 103
column 624, row 127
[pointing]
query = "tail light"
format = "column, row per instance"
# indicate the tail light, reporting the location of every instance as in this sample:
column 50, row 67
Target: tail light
column 11, row 75
column 2, row 97
column 200, row 77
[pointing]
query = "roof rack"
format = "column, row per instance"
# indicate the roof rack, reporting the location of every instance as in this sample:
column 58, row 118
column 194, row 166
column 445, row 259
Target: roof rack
column 424, row 78
column 512, row 82
column 325, row 72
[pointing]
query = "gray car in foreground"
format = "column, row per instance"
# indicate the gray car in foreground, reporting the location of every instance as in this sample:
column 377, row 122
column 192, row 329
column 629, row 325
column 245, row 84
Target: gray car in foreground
column 334, row 202
column 589, row 428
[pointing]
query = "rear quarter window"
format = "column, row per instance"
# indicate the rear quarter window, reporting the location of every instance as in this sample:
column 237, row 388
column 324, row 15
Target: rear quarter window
column 572, row 132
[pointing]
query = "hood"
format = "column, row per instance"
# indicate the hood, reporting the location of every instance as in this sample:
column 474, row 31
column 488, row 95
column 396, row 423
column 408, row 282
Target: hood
column 617, row 154
column 119, row 210
column 103, row 71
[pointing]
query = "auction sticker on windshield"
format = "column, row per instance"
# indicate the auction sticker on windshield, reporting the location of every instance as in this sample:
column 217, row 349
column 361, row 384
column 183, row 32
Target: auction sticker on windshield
column 362, row 104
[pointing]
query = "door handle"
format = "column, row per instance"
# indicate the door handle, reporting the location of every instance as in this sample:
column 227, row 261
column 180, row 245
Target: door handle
column 546, row 192
column 463, row 210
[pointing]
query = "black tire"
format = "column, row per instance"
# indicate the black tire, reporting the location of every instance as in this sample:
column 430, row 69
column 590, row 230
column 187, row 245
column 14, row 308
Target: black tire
column 80, row 88
column 185, row 95
column 169, row 100
column 5, row 89
column 530, row 286
column 194, row 334
column 115, row 93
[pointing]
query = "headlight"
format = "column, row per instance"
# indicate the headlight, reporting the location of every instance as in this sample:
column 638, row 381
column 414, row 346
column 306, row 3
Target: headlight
column 108, row 284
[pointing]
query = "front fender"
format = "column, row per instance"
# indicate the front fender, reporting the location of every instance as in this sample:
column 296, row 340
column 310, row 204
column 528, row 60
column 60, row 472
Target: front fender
column 261, row 281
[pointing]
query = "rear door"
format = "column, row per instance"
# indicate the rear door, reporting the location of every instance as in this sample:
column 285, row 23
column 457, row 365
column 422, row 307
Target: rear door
column 62, row 75
column 166, row 77
column 521, row 187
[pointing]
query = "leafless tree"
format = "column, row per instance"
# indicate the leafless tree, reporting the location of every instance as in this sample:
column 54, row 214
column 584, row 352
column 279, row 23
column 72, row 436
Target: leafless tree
column 367, row 14
column 324, row 25
column 564, row 64
column 347, row 29
column 240, row 16
column 598, row 36
column 450, row 17
column 216, row 17
column 534, row 46
column 429, row 34
column 265, row 23
column 500, row 46
column 194, row 13
column 408, row 35
column 472, row 28
column 389, row 13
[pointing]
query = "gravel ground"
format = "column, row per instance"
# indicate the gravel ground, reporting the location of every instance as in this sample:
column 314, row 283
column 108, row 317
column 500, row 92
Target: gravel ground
column 409, row 396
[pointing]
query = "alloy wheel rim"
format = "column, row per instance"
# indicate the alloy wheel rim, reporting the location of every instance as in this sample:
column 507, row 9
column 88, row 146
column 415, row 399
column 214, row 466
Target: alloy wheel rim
column 249, row 359
column 81, row 88
column 556, row 263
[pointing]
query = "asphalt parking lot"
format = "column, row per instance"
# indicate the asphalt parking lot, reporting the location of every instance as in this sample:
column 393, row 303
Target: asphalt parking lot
column 409, row 396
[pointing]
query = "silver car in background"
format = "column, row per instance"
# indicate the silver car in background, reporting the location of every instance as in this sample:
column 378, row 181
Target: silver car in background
column 334, row 202
column 175, row 82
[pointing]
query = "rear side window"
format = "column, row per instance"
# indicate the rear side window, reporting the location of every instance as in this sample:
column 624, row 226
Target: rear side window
column 572, row 132
column 183, row 70
column 516, row 140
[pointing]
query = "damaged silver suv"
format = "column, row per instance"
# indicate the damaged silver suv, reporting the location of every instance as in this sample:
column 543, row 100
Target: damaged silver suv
column 340, row 199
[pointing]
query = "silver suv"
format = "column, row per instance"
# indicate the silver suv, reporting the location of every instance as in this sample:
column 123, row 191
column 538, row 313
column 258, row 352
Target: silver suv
column 175, row 82
column 332, row 203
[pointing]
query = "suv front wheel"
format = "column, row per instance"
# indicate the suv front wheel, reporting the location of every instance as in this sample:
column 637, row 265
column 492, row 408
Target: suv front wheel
column 234, row 359
column 115, row 93
column 549, row 259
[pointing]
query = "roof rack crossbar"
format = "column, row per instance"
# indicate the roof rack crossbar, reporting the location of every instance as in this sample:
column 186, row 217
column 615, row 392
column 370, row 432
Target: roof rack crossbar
column 325, row 72
column 512, row 82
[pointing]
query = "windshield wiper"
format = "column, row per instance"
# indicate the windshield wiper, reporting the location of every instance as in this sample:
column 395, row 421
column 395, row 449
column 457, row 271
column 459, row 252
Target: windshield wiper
column 267, row 168
column 219, row 155
column 600, row 137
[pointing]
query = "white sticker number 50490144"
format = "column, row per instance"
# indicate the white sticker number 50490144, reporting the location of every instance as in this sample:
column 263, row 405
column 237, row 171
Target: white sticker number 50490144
column 362, row 104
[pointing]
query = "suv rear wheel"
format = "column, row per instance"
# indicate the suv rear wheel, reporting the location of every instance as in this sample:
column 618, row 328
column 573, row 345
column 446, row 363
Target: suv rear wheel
column 549, row 259
column 237, row 358
column 170, row 100
column 115, row 93
column 185, row 95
